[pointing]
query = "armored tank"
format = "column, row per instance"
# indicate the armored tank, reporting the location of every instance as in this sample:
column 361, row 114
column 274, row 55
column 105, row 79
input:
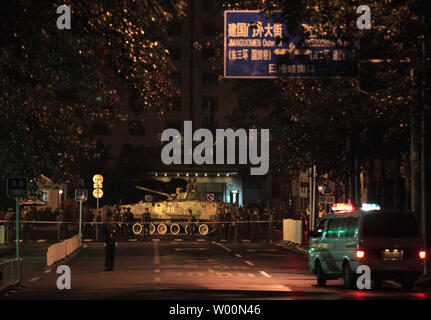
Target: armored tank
column 170, row 216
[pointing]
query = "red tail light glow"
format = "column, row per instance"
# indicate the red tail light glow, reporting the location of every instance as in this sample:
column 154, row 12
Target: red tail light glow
column 360, row 254
column 422, row 254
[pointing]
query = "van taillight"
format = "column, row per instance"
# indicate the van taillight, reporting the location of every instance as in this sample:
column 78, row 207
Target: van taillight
column 422, row 254
column 360, row 254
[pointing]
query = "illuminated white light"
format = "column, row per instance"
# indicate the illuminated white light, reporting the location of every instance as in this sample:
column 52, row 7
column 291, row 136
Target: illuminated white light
column 187, row 174
column 227, row 174
column 205, row 174
column 196, row 174
column 165, row 174
column 218, row 174
column 178, row 174
column 60, row 191
column 156, row 174
column 370, row 207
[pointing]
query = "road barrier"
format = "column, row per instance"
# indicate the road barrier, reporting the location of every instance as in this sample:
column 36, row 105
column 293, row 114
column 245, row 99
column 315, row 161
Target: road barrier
column 292, row 231
column 10, row 273
column 61, row 250
column 1, row 235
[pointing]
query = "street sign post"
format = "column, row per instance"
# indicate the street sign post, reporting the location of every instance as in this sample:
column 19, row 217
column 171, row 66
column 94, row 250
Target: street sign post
column 81, row 195
column 17, row 188
column 256, row 46
column 98, row 192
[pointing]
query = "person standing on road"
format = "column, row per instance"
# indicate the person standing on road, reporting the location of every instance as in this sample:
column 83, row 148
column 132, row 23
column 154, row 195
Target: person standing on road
column 227, row 218
column 253, row 224
column 110, row 244
column 236, row 226
column 9, row 224
column 218, row 226
column 60, row 227
column 145, row 220
column 190, row 225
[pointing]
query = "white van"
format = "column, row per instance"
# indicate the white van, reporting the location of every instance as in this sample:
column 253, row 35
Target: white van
column 388, row 243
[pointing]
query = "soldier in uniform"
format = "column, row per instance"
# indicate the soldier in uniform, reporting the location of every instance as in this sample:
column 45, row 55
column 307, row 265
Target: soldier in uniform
column 253, row 225
column 110, row 244
column 60, row 227
column 9, row 224
column 130, row 219
column 145, row 220
column 218, row 226
column 190, row 225
column 228, row 219
column 236, row 226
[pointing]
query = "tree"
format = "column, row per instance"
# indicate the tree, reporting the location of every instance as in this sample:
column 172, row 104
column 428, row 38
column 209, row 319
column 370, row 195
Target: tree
column 334, row 123
column 56, row 83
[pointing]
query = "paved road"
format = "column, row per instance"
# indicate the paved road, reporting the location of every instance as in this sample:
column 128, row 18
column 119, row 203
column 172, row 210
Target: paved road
column 183, row 270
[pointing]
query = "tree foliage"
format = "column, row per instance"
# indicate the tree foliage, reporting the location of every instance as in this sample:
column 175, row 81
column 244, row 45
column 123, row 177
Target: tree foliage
column 331, row 122
column 56, row 83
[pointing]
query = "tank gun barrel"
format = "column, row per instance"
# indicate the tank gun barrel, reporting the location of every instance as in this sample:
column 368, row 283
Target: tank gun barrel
column 154, row 191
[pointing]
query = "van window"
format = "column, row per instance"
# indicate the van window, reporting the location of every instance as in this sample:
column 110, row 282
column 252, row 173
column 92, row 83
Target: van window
column 396, row 225
column 344, row 225
column 333, row 226
column 352, row 227
column 322, row 225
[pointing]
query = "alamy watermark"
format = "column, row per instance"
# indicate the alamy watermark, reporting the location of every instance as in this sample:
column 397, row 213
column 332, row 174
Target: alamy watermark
column 203, row 153
column 63, row 281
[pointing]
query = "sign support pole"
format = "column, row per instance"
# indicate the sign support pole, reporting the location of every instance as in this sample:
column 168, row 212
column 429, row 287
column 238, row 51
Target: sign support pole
column 17, row 228
column 80, row 217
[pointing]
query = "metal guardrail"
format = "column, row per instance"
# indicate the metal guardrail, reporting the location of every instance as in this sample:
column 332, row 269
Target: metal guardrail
column 61, row 250
column 10, row 273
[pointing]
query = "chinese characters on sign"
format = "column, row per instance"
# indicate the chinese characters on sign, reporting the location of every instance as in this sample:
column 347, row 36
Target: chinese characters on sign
column 256, row 47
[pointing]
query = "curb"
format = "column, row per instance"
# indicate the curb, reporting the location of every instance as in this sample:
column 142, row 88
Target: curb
column 294, row 247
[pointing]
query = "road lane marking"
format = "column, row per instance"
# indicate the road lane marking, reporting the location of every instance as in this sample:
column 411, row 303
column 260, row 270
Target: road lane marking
column 156, row 279
column 47, row 271
column 249, row 263
column 177, row 239
column 41, row 240
column 191, row 249
column 201, row 240
column 34, row 279
column 223, row 274
column 133, row 240
column 220, row 245
column 265, row 274
column 238, row 255
column 156, row 253
column 157, row 270
column 245, row 274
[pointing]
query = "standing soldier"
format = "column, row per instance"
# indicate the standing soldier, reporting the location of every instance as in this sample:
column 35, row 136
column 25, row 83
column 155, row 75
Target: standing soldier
column 253, row 224
column 218, row 226
column 99, row 228
column 227, row 219
column 236, row 226
column 270, row 232
column 25, row 225
column 60, row 228
column 110, row 244
column 9, row 224
column 190, row 225
column 130, row 219
column 145, row 220
column 123, row 229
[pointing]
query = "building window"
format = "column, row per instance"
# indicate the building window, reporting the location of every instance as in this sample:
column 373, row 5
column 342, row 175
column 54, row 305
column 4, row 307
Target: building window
column 175, row 29
column 209, row 106
column 209, row 79
column 136, row 128
column 175, row 53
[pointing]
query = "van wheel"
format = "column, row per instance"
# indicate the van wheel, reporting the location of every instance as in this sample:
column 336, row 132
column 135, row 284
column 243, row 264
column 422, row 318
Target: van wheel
column 321, row 276
column 408, row 283
column 348, row 276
